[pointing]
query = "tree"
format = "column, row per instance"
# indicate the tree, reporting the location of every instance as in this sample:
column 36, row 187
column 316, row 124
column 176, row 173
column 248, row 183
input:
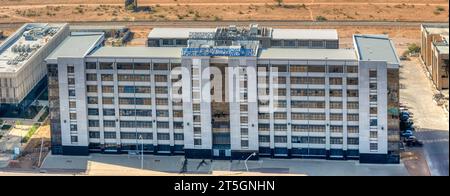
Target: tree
column 413, row 48
column 279, row 2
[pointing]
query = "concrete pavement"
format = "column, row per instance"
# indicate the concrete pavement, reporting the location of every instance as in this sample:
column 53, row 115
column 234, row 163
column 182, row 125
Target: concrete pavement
column 430, row 119
column 101, row 164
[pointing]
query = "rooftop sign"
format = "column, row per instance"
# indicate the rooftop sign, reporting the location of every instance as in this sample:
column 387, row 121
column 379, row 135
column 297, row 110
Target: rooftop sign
column 216, row 52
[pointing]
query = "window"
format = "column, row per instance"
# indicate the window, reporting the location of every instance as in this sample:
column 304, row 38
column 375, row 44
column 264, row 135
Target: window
column 162, row 113
column 107, row 77
column 109, row 123
column 335, row 93
column 178, row 136
column 243, row 108
column 336, row 129
column 162, row 125
column 309, row 128
column 352, row 141
column 110, row 135
column 108, row 100
column 279, row 80
column 352, row 129
column 160, row 101
column 280, row 127
column 244, row 119
column 93, row 123
column 352, row 105
column 92, row 111
column 94, row 134
column 126, row 89
column 263, row 127
column 91, row 77
column 336, row 140
column 279, row 91
column 244, row 143
column 71, row 81
column 72, row 93
column 373, row 110
column 109, row 112
column 373, row 98
column 142, row 89
column 197, row 130
column 279, row 68
column 373, row 147
column 178, row 113
column 372, row 73
column 244, row 131
column 335, row 69
column 92, row 100
column 279, row 104
column 106, row 65
column 91, row 88
column 335, row 81
column 74, row 139
column 352, row 69
column 298, row 68
column 142, row 66
column 373, row 86
column 279, row 115
column 160, row 78
column 336, row 105
column 197, row 141
column 73, row 116
column 160, row 66
column 316, row 140
column 160, row 90
column 352, row 81
column 280, row 139
column 352, row 93
column 264, row 138
column 373, row 122
column 263, row 115
column 178, row 125
column 181, row 42
column 316, row 69
column 91, row 65
column 317, row 44
column 135, row 101
column 373, row 134
column 108, row 89
column 72, row 104
column 303, row 43
column 73, row 127
column 336, row 117
column 352, row 117
column 163, row 136
column 70, row 69
column 124, row 66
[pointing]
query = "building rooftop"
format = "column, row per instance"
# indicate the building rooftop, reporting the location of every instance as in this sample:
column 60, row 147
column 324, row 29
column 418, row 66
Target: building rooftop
column 307, row 54
column 375, row 48
column 76, row 45
column 138, row 52
column 24, row 44
column 181, row 33
column 441, row 29
column 305, row 34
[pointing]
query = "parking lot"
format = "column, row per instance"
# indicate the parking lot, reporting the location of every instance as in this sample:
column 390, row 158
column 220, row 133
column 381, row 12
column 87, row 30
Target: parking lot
column 430, row 122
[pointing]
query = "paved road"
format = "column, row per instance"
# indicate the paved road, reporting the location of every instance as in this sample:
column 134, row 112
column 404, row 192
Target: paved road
column 272, row 23
column 430, row 119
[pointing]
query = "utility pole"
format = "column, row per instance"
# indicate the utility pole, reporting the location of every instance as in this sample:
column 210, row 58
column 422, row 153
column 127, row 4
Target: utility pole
column 253, row 154
column 142, row 151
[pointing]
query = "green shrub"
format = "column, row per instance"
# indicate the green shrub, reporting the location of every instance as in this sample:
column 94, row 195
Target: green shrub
column 321, row 18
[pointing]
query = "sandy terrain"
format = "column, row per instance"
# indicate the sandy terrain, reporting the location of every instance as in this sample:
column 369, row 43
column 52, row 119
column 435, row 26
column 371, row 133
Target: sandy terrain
column 113, row 10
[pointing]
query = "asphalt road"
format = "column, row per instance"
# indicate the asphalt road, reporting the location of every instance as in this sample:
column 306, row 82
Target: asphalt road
column 430, row 120
column 272, row 23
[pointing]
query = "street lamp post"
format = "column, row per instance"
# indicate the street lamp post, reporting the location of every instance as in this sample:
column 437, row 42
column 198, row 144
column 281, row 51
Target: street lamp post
column 245, row 162
column 142, row 151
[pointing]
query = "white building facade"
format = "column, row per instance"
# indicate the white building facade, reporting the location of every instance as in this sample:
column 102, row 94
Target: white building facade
column 227, row 101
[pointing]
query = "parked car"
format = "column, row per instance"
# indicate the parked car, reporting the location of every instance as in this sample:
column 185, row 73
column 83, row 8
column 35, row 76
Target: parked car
column 412, row 141
column 406, row 133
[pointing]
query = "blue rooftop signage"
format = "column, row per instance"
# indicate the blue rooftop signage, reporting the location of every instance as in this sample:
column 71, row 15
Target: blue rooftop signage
column 216, row 52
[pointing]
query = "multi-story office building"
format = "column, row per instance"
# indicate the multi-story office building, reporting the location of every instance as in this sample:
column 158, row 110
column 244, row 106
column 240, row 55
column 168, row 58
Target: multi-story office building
column 227, row 96
column 22, row 66
column 434, row 53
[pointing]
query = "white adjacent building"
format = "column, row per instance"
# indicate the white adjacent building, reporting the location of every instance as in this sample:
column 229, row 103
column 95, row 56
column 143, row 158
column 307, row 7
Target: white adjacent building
column 227, row 92
column 22, row 65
